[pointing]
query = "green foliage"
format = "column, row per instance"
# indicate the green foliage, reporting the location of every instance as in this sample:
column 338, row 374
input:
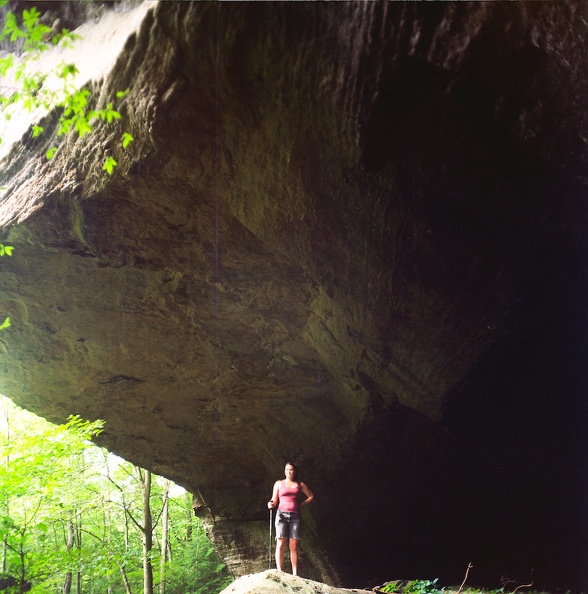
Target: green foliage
column 423, row 587
column 196, row 568
column 413, row 587
column 83, row 429
column 109, row 165
column 428, row 587
column 6, row 250
column 32, row 32
column 29, row 91
column 127, row 139
column 68, row 506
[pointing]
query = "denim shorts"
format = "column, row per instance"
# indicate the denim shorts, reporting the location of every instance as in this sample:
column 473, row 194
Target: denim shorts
column 287, row 525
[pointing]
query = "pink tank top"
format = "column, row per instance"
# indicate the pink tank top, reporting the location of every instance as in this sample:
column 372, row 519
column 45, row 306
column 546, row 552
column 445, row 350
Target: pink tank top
column 289, row 497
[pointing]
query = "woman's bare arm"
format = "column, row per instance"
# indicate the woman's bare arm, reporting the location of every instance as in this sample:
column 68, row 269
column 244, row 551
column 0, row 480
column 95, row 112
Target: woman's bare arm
column 275, row 495
column 308, row 493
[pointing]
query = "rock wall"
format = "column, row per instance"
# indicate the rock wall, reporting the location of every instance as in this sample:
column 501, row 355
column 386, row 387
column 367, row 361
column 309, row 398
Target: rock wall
column 351, row 234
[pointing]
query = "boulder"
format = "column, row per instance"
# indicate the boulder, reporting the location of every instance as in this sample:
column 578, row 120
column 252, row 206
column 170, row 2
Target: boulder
column 277, row 582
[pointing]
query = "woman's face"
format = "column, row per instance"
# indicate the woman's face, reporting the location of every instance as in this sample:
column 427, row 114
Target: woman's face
column 289, row 472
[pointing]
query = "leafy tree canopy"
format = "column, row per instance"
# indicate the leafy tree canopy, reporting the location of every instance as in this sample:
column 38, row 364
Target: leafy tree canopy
column 71, row 513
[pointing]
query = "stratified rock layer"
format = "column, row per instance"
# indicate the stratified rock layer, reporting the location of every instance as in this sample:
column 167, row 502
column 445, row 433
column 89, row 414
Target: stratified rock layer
column 351, row 234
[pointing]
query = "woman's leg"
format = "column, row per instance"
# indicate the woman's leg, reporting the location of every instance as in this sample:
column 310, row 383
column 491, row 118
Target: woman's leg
column 280, row 546
column 294, row 555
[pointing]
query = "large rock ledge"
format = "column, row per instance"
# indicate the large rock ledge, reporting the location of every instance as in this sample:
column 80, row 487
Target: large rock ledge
column 277, row 582
column 354, row 234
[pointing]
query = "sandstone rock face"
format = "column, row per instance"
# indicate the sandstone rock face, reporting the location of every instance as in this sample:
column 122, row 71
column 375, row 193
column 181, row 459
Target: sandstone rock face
column 353, row 235
column 274, row 582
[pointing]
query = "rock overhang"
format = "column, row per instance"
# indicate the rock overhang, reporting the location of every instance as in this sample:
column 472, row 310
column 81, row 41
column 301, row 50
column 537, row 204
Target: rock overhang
column 321, row 239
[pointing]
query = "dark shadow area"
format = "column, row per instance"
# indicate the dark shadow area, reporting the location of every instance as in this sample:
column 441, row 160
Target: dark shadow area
column 522, row 414
column 503, row 484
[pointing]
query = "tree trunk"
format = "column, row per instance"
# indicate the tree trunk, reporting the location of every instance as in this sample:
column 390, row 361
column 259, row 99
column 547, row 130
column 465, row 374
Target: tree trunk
column 66, row 589
column 78, row 541
column 4, row 551
column 7, row 510
column 125, row 580
column 164, row 538
column 189, row 516
column 144, row 477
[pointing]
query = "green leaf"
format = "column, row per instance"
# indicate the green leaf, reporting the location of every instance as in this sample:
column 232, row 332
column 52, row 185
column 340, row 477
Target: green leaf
column 6, row 63
column 83, row 126
column 36, row 130
column 11, row 28
column 109, row 165
column 127, row 139
column 65, row 38
column 8, row 249
column 34, row 32
column 5, row 324
column 111, row 114
column 68, row 70
column 64, row 126
column 51, row 152
column 30, row 17
column 121, row 94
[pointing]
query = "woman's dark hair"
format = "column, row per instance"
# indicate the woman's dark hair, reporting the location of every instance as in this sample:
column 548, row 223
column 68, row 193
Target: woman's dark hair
column 296, row 471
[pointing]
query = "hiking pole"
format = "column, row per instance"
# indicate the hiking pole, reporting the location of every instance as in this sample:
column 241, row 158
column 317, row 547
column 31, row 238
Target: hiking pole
column 269, row 561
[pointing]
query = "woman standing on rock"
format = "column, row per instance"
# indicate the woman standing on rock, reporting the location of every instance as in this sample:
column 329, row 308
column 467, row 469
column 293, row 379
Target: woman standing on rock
column 287, row 495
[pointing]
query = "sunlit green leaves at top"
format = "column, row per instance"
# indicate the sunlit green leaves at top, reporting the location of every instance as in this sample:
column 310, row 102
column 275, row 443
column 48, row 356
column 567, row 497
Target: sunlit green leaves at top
column 109, row 165
column 110, row 162
column 30, row 90
column 11, row 28
column 127, row 139
column 6, row 250
column 109, row 114
column 74, row 113
column 65, row 38
column 33, row 33
column 66, row 70
column 83, row 428
column 6, row 63
column 37, row 32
